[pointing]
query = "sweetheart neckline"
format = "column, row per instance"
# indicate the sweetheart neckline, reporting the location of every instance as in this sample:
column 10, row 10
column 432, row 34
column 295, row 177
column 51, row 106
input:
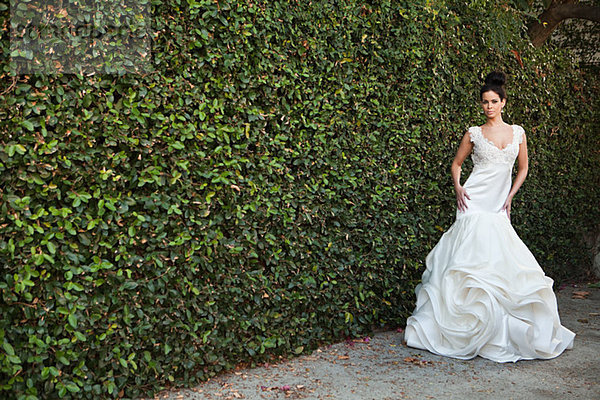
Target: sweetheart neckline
column 494, row 144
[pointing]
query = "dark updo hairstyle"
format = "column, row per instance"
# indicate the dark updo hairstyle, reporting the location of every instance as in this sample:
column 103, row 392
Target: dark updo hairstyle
column 494, row 81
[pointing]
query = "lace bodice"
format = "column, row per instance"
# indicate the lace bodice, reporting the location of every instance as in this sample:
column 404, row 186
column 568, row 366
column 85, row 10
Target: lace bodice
column 486, row 152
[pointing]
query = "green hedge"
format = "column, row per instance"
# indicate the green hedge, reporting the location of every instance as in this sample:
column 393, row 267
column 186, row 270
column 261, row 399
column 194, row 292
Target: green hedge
column 275, row 183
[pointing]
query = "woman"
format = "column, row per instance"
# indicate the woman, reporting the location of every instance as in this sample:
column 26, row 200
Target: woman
column 483, row 293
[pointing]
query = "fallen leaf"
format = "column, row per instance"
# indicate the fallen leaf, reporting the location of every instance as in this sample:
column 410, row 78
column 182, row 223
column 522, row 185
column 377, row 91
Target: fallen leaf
column 416, row 361
column 580, row 295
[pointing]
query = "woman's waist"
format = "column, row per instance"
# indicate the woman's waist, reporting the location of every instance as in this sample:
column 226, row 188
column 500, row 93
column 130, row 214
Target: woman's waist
column 492, row 165
column 485, row 178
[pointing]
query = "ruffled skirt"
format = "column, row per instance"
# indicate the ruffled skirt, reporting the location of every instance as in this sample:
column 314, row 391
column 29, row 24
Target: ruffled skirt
column 484, row 294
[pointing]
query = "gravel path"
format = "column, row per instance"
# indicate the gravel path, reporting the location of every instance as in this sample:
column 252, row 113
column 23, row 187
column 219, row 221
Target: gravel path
column 382, row 368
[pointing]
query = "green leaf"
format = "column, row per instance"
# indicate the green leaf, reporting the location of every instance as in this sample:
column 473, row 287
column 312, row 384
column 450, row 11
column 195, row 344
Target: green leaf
column 72, row 320
column 73, row 388
column 28, row 125
column 51, row 247
column 8, row 348
column 62, row 359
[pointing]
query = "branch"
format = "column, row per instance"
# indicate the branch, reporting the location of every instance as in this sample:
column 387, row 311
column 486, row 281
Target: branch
column 539, row 32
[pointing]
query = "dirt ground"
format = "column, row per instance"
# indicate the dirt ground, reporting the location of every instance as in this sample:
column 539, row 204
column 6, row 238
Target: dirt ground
column 382, row 368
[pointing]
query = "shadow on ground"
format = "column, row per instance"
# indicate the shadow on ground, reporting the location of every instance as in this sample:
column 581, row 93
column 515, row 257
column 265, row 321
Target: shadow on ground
column 381, row 368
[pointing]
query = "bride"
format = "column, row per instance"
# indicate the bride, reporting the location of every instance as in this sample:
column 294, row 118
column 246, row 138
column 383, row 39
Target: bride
column 483, row 292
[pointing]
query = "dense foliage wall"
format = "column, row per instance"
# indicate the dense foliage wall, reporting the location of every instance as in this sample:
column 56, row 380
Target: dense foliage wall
column 275, row 183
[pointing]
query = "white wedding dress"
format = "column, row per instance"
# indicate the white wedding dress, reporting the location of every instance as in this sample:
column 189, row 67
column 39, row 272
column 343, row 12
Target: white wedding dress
column 483, row 293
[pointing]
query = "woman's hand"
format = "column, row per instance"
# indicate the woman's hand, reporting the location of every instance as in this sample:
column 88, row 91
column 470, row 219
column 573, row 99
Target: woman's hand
column 506, row 206
column 461, row 198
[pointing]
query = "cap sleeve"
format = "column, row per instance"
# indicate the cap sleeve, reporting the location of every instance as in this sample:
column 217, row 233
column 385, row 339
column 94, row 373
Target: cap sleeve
column 519, row 131
column 473, row 132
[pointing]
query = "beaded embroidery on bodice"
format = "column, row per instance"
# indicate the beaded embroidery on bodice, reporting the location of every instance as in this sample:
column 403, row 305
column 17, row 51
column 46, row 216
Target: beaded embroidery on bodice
column 486, row 152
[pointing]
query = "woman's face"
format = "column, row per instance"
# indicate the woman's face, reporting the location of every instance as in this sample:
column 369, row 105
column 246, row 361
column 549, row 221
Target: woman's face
column 491, row 104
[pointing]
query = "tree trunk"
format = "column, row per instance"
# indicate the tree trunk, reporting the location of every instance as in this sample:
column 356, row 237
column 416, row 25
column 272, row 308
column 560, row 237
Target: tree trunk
column 557, row 12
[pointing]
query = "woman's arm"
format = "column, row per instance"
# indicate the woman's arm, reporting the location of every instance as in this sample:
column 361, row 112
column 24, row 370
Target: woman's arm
column 523, row 168
column 465, row 148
